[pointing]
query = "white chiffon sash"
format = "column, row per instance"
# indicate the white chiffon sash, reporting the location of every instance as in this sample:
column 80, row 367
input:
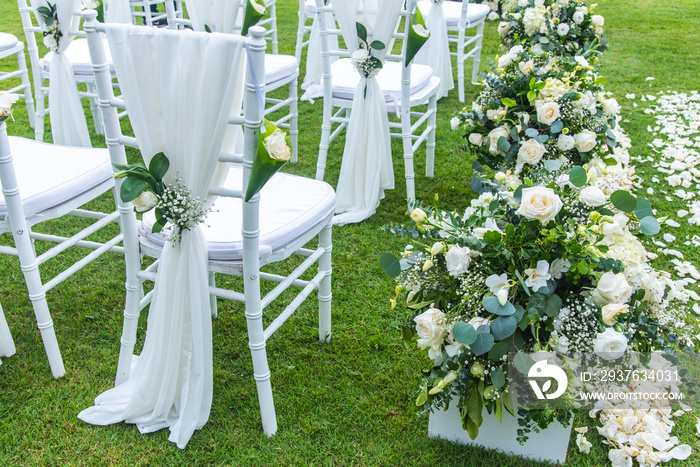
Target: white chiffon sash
column 366, row 170
column 68, row 124
column 179, row 90
column 436, row 51
column 218, row 15
column 7, row 345
column 314, row 64
column 117, row 11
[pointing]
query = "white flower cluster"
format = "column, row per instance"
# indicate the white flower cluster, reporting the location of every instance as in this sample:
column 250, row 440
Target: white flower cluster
column 180, row 208
column 365, row 64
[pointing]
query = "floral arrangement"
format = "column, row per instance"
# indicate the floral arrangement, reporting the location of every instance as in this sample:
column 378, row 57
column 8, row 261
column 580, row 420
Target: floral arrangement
column 539, row 112
column 273, row 153
column 253, row 13
column 144, row 187
column 561, row 27
column 6, row 101
column 51, row 29
column 362, row 59
column 418, row 35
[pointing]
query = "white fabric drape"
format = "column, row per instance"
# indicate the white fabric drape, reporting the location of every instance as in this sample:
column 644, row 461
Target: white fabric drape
column 7, row 345
column 314, row 65
column 179, row 90
column 366, row 170
column 68, row 125
column 117, row 11
column 436, row 51
column 218, row 15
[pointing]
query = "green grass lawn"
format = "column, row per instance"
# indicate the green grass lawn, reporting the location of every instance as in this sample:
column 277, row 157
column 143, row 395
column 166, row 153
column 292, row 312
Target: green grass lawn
column 349, row 402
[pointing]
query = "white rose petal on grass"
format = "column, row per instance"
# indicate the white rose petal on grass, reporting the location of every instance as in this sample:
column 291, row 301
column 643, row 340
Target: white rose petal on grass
column 276, row 146
column 592, row 196
column 530, row 152
column 539, row 203
column 583, row 444
column 630, row 96
column 649, row 78
column 610, row 345
column 457, row 260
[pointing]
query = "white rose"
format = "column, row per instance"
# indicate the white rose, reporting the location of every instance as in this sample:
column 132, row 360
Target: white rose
column 50, row 42
column 429, row 325
column 420, row 30
column 610, row 344
column 579, row 16
column 547, row 113
column 527, row 67
column 559, row 267
column 585, row 141
column 611, row 288
column 260, row 9
column 539, row 203
column 597, row 21
column 565, row 142
column 418, row 216
column 276, row 146
column 494, row 136
column 454, row 123
column 530, row 152
column 563, row 29
column 457, row 260
column 611, row 310
column 493, row 16
column 476, row 139
column 611, row 107
column 145, row 201
column 359, row 55
column 91, row 4
column 592, row 196
column 539, row 2
column 515, row 50
column 6, row 101
column 581, row 60
column 503, row 28
column 504, row 60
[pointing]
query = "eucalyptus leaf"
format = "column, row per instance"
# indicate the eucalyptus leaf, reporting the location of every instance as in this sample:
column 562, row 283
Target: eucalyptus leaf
column 465, row 333
column 503, row 327
column 556, row 126
column 552, row 165
column 391, row 264
column 578, row 176
column 623, row 200
column 643, row 208
column 649, row 226
column 503, row 144
column 523, row 362
column 492, row 305
column 498, row 379
column 553, row 305
column 483, row 343
column 531, row 132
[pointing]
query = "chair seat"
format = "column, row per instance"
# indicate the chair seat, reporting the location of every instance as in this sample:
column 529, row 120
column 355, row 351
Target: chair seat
column 7, row 41
column 49, row 174
column 453, row 12
column 345, row 79
column 290, row 206
column 279, row 68
column 310, row 7
column 79, row 56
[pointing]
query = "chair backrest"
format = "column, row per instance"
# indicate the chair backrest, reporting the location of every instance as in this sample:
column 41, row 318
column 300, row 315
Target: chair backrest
column 215, row 15
column 154, row 12
column 254, row 94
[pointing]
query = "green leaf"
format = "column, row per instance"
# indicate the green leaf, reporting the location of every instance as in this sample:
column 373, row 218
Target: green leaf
column 498, row 412
column 649, row 226
column 578, row 176
column 131, row 188
column 492, row 305
column 552, row 165
column 483, row 342
column 531, row 96
column 472, row 429
column 361, row 31
column 159, row 224
column 252, row 16
column 391, row 264
column 556, row 127
column 503, row 327
column 643, row 208
column 531, row 132
column 475, row 406
column 523, row 362
column 601, row 80
column 377, row 45
column 498, row 350
column 159, row 166
column 264, row 166
column 522, row 282
column 553, row 305
column 464, row 333
column 503, row 144
column 498, row 379
column 422, row 397
column 491, row 237
column 508, row 102
column 623, row 200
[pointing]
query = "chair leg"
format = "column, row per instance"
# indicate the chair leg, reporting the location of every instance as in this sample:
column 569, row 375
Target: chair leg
column 213, row 302
column 41, row 94
column 294, row 121
column 28, row 99
column 96, row 112
column 32, row 278
column 300, row 32
column 477, row 54
column 325, row 138
column 430, row 143
column 325, row 293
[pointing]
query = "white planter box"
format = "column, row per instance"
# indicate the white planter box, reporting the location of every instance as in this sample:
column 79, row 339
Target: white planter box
column 547, row 445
